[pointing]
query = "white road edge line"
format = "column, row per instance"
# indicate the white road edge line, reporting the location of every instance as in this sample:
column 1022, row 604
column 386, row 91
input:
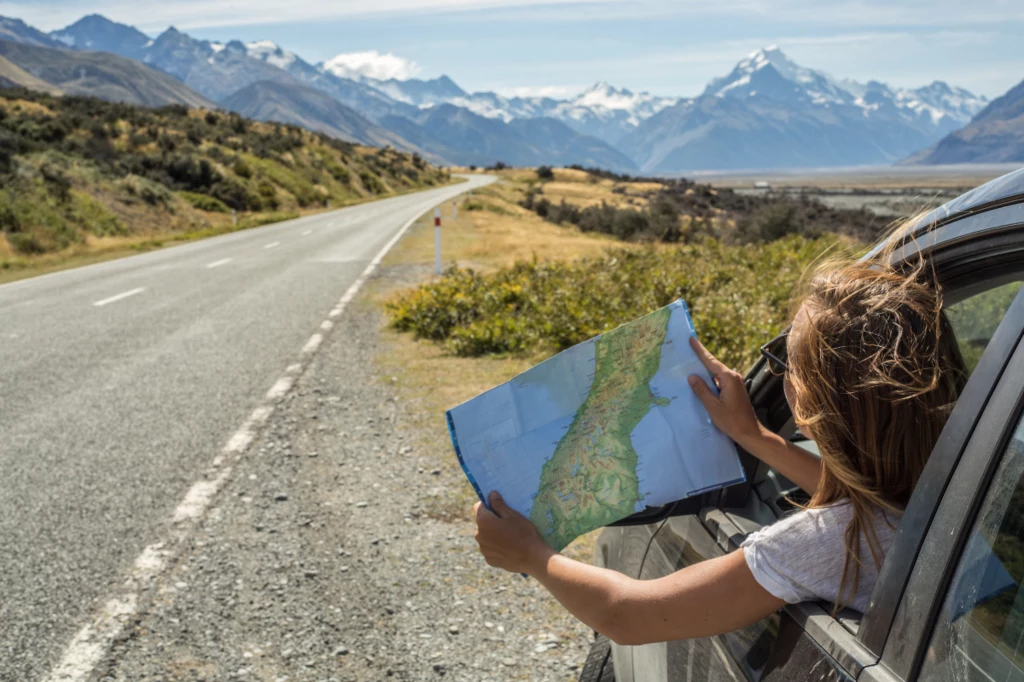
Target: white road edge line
column 313, row 343
column 113, row 299
column 218, row 263
column 308, row 232
column 272, row 245
column 91, row 644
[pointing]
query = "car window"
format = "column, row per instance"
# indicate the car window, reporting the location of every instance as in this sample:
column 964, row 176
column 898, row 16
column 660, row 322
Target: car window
column 975, row 319
column 980, row 630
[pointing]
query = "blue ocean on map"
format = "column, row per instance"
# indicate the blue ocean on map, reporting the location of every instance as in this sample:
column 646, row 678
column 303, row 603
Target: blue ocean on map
column 681, row 426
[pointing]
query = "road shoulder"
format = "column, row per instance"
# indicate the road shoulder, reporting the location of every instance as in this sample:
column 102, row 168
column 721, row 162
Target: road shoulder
column 325, row 558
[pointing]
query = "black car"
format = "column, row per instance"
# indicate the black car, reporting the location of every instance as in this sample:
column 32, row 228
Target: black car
column 949, row 603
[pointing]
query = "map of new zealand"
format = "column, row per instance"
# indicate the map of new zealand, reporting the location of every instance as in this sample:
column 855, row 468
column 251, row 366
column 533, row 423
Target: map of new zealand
column 598, row 432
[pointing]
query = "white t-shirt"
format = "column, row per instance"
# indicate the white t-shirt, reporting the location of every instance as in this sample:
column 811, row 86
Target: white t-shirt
column 801, row 557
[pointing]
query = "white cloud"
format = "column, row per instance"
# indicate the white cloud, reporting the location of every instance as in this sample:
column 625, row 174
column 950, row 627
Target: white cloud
column 553, row 91
column 155, row 15
column 372, row 64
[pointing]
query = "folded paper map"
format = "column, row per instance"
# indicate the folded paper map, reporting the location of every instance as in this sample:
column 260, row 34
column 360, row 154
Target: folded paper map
column 598, row 432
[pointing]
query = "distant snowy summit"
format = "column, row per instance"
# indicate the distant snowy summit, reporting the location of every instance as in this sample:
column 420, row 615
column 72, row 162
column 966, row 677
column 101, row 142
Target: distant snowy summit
column 767, row 112
column 769, row 73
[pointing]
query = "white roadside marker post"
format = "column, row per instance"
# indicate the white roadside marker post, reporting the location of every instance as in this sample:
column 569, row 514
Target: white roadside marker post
column 234, row 217
column 437, row 241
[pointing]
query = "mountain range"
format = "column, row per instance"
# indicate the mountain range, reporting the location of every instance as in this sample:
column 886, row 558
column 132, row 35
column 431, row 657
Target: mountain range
column 768, row 112
column 995, row 135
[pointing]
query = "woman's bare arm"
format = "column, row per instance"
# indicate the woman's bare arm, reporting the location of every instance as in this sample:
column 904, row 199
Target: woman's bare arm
column 733, row 414
column 792, row 461
column 709, row 598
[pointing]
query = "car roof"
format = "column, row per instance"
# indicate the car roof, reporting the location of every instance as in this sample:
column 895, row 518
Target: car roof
column 1004, row 190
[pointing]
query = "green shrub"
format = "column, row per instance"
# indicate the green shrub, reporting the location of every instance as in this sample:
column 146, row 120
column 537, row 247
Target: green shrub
column 372, row 182
column 92, row 217
column 739, row 297
column 27, row 244
column 545, row 173
column 204, row 202
column 242, row 169
column 236, row 195
column 148, row 191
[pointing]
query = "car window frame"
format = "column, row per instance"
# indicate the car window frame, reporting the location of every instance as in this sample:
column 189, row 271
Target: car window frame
column 957, row 269
column 941, row 547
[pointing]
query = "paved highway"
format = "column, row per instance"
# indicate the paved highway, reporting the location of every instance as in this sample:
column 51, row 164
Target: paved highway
column 120, row 382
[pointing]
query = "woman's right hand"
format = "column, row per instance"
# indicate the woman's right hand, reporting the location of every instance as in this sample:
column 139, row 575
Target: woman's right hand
column 730, row 410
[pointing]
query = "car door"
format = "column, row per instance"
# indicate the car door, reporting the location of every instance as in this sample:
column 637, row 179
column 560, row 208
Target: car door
column 805, row 636
column 961, row 614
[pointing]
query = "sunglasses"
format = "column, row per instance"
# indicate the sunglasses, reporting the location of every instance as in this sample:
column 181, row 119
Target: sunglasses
column 773, row 352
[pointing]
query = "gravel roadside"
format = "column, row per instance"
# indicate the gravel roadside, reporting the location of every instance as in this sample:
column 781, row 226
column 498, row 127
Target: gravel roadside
column 320, row 560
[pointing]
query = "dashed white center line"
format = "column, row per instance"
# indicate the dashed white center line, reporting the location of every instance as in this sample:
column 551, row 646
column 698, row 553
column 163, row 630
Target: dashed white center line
column 307, row 233
column 93, row 642
column 272, row 245
column 113, row 299
column 218, row 263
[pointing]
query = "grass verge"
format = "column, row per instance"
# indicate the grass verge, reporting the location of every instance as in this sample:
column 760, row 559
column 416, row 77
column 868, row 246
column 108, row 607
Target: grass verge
column 101, row 249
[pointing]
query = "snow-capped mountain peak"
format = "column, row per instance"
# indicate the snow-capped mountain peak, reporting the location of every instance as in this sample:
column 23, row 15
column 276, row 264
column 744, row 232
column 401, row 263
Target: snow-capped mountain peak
column 773, row 56
column 606, row 96
column 770, row 73
column 271, row 53
column 604, row 101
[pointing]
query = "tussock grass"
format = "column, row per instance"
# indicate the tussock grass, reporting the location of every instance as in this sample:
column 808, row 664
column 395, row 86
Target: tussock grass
column 487, row 239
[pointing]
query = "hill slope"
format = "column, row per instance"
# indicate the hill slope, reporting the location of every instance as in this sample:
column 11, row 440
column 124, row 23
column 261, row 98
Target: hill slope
column 12, row 75
column 996, row 135
column 310, row 108
column 103, row 75
column 78, row 171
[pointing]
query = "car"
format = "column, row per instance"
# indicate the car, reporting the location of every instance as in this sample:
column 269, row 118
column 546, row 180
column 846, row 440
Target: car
column 948, row 603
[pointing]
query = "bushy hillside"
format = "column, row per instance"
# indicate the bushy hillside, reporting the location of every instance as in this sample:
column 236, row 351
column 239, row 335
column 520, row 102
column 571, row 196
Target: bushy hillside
column 75, row 170
column 682, row 210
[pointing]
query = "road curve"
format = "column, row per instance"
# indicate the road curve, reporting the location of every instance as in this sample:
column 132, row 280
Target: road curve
column 120, row 381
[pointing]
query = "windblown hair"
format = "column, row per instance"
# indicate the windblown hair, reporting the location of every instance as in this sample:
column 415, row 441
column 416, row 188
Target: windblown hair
column 876, row 371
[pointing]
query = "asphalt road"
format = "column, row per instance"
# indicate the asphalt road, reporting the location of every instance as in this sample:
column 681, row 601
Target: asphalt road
column 119, row 383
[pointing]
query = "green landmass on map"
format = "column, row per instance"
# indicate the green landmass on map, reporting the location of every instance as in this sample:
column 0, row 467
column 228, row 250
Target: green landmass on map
column 591, row 479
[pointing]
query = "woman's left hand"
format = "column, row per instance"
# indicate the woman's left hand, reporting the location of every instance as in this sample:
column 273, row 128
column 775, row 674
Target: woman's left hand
column 507, row 539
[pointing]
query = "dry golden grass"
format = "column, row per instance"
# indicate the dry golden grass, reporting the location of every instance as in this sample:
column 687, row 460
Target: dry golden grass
column 498, row 234
column 585, row 194
column 570, row 175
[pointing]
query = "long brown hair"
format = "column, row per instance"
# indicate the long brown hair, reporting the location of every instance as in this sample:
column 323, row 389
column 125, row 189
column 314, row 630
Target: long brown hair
column 875, row 370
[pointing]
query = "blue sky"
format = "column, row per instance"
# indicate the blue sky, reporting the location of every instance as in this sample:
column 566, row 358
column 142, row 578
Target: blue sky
column 668, row 48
